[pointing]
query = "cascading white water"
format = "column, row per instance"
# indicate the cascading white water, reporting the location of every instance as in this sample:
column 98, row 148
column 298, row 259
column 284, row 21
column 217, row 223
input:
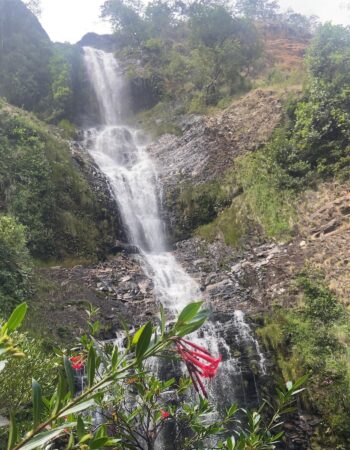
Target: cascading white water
column 120, row 152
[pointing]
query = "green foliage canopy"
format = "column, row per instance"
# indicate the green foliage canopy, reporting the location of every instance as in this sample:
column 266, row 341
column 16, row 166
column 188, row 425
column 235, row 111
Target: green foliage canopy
column 195, row 53
column 320, row 138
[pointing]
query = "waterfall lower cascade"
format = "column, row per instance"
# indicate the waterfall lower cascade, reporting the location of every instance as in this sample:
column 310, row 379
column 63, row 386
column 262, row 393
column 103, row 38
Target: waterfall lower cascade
column 120, row 153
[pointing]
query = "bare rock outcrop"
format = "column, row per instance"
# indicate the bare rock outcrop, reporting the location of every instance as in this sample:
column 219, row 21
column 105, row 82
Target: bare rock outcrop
column 208, row 147
column 325, row 229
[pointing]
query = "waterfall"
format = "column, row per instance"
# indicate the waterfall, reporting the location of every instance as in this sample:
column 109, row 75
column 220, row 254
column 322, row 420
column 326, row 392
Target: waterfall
column 120, row 152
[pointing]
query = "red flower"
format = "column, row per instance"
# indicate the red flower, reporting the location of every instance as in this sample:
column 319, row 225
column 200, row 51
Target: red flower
column 77, row 362
column 164, row 414
column 199, row 362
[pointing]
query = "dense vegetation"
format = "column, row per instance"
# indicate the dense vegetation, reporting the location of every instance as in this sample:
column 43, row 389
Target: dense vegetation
column 311, row 146
column 313, row 337
column 24, row 56
column 64, row 413
column 36, row 169
column 190, row 55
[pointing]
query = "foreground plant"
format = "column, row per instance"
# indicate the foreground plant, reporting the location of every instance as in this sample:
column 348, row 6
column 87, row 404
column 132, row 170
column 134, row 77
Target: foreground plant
column 118, row 404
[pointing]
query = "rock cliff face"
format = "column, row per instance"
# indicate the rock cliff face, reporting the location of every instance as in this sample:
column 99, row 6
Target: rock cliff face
column 106, row 203
column 208, row 147
column 104, row 42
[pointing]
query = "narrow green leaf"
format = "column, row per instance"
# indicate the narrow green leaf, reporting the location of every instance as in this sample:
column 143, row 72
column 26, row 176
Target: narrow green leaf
column 71, row 442
column 61, row 391
column 162, row 320
column 300, row 381
column 103, row 442
column 42, row 439
column 13, row 434
column 37, row 402
column 69, row 374
column 188, row 313
column 190, row 327
column 98, row 443
column 137, row 335
column 85, row 438
column 115, row 357
column 231, row 443
column 91, row 366
column 79, row 407
column 17, row 317
column 232, row 410
column 144, row 341
column 80, row 428
column 101, row 432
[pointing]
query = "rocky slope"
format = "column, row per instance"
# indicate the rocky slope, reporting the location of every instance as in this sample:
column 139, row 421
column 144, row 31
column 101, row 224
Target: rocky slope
column 209, row 145
column 325, row 230
column 207, row 150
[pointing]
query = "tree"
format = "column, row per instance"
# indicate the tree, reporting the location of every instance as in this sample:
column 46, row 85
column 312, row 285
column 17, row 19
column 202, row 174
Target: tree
column 160, row 18
column 298, row 24
column 126, row 19
column 211, row 23
column 321, row 134
column 257, row 9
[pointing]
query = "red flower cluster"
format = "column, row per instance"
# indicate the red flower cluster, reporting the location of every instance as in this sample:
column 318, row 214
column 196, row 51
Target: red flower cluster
column 77, row 362
column 164, row 414
column 199, row 362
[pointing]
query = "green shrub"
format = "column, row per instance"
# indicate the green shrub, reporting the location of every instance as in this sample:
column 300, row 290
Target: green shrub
column 14, row 263
column 196, row 205
column 314, row 337
column 16, row 378
column 270, row 206
column 232, row 224
column 42, row 188
column 68, row 415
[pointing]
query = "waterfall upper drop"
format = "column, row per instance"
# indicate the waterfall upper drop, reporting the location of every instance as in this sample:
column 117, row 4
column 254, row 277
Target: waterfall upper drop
column 120, row 152
column 108, row 84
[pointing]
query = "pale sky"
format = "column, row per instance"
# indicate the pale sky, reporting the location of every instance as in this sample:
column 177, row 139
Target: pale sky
column 69, row 20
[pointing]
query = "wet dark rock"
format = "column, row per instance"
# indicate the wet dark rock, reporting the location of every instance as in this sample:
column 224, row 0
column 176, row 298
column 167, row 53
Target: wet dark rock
column 108, row 212
column 106, row 42
column 124, row 247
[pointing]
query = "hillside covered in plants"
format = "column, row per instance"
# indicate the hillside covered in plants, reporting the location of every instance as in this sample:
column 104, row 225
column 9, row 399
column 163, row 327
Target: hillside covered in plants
column 177, row 191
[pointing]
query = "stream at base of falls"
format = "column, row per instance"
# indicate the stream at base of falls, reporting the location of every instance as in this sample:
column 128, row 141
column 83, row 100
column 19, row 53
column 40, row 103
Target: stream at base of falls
column 120, row 153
